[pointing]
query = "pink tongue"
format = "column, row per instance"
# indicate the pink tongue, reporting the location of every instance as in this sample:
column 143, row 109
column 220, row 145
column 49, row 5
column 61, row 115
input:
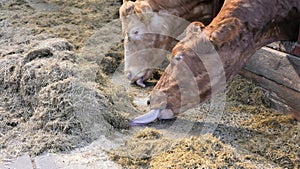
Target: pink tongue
column 146, row 118
column 140, row 82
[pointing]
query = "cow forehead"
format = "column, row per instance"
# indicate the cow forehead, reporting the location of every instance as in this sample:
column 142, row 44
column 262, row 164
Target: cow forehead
column 150, row 22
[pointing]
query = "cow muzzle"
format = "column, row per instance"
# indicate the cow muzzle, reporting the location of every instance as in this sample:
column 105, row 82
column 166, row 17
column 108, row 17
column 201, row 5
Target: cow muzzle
column 140, row 77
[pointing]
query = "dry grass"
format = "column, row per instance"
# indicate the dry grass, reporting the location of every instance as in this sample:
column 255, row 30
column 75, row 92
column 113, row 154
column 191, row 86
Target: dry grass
column 50, row 102
column 250, row 136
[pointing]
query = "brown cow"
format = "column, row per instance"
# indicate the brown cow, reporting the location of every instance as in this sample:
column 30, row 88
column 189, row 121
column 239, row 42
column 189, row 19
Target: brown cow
column 150, row 26
column 206, row 58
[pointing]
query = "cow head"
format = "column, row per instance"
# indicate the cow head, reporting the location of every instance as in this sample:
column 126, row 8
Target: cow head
column 148, row 36
column 195, row 72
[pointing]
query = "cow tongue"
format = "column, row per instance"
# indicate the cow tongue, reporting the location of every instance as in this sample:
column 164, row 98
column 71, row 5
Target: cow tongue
column 140, row 82
column 146, row 118
column 146, row 76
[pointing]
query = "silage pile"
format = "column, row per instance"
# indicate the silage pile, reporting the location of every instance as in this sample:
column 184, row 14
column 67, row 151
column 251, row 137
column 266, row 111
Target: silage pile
column 74, row 20
column 49, row 99
column 272, row 135
column 150, row 149
column 249, row 135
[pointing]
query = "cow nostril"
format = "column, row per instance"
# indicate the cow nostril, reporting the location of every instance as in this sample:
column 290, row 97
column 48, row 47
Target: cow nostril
column 129, row 76
column 148, row 102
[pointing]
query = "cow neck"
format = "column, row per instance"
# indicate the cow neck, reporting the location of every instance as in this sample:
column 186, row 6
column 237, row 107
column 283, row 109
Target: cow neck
column 190, row 10
column 237, row 35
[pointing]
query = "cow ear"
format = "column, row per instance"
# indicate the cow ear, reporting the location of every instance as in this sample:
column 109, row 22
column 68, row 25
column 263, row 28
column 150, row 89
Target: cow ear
column 226, row 31
column 194, row 27
column 142, row 7
column 127, row 8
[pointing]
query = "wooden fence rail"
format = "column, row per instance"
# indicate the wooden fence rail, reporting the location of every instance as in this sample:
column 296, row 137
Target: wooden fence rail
column 279, row 73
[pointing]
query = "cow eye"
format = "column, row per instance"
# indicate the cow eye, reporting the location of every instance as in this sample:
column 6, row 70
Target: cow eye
column 178, row 57
column 134, row 32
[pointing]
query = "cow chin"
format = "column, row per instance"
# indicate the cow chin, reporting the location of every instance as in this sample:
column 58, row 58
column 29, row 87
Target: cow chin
column 166, row 114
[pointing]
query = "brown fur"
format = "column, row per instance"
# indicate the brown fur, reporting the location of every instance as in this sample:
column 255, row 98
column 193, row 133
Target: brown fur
column 237, row 32
column 192, row 10
column 151, row 38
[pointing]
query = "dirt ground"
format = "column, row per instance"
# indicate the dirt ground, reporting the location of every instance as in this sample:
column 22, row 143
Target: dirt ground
column 62, row 91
